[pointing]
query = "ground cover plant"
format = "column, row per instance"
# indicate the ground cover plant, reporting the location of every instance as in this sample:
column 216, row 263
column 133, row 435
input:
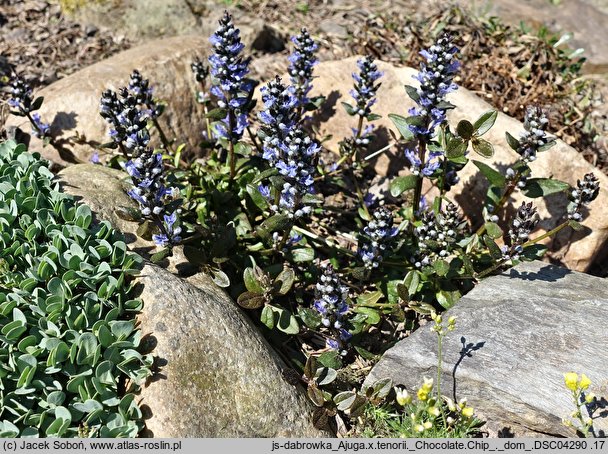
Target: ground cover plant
column 69, row 360
column 333, row 275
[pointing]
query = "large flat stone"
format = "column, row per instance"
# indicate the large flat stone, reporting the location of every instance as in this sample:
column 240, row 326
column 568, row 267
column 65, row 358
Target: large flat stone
column 577, row 250
column 516, row 335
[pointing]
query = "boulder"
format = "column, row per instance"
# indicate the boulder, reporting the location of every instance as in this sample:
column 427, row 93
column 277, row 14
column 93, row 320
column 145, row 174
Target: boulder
column 72, row 103
column 584, row 19
column 561, row 162
column 217, row 376
column 516, row 335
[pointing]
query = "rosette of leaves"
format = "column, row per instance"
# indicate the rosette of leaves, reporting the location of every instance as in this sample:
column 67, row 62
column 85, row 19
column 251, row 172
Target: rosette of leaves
column 262, row 290
column 70, row 358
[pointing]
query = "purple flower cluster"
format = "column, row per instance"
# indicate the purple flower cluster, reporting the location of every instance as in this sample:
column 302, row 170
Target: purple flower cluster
column 278, row 117
column 140, row 89
column 147, row 174
column 436, row 81
column 21, row 100
column 378, row 234
column 437, row 234
column 525, row 221
column 585, row 192
column 127, row 120
column 301, row 65
column 230, row 85
column 431, row 163
column 330, row 302
column 201, row 72
column 365, row 89
column 288, row 148
column 297, row 154
column 534, row 138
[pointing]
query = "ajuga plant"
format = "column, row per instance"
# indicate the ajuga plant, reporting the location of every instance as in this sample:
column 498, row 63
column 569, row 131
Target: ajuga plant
column 333, row 269
column 69, row 351
column 24, row 105
column 129, row 113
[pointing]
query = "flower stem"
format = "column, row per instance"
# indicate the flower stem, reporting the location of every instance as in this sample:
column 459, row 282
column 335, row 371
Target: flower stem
column 231, row 157
column 163, row 137
column 546, row 235
column 418, row 189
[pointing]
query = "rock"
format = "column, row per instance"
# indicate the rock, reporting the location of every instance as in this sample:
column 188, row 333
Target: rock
column 562, row 161
column 584, row 19
column 72, row 103
column 516, row 335
column 217, row 375
column 139, row 20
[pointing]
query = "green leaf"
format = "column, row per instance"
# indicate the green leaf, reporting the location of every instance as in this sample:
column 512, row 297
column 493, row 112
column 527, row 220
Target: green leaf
column 275, row 223
column 285, row 279
column 251, row 281
column 441, row 267
column 540, row 187
column 412, row 92
column 331, row 359
column 325, row 375
column 267, row 317
column 493, row 248
column 402, row 126
column 287, row 321
column 217, row 114
column 494, row 177
column 220, row 278
column 411, row 281
column 482, row 147
column 301, row 255
column 512, row 141
column 350, row 110
column 494, row 230
column 37, row 103
column 370, row 298
column 401, row 184
column 465, row 129
column 534, row 252
column 310, row 317
column 242, row 149
column 455, row 148
column 446, row 298
column 485, row 122
column 345, row 399
column 575, row 225
column 372, row 315
column 160, row 255
column 257, row 198
column 251, row 300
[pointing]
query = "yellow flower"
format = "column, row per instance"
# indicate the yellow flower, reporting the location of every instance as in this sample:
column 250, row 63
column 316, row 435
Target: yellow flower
column 571, row 380
column 403, row 397
column 423, row 394
column 434, row 411
column 467, row 412
column 428, row 424
column 428, row 384
column 452, row 320
column 589, row 398
column 585, row 382
column 420, row 428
